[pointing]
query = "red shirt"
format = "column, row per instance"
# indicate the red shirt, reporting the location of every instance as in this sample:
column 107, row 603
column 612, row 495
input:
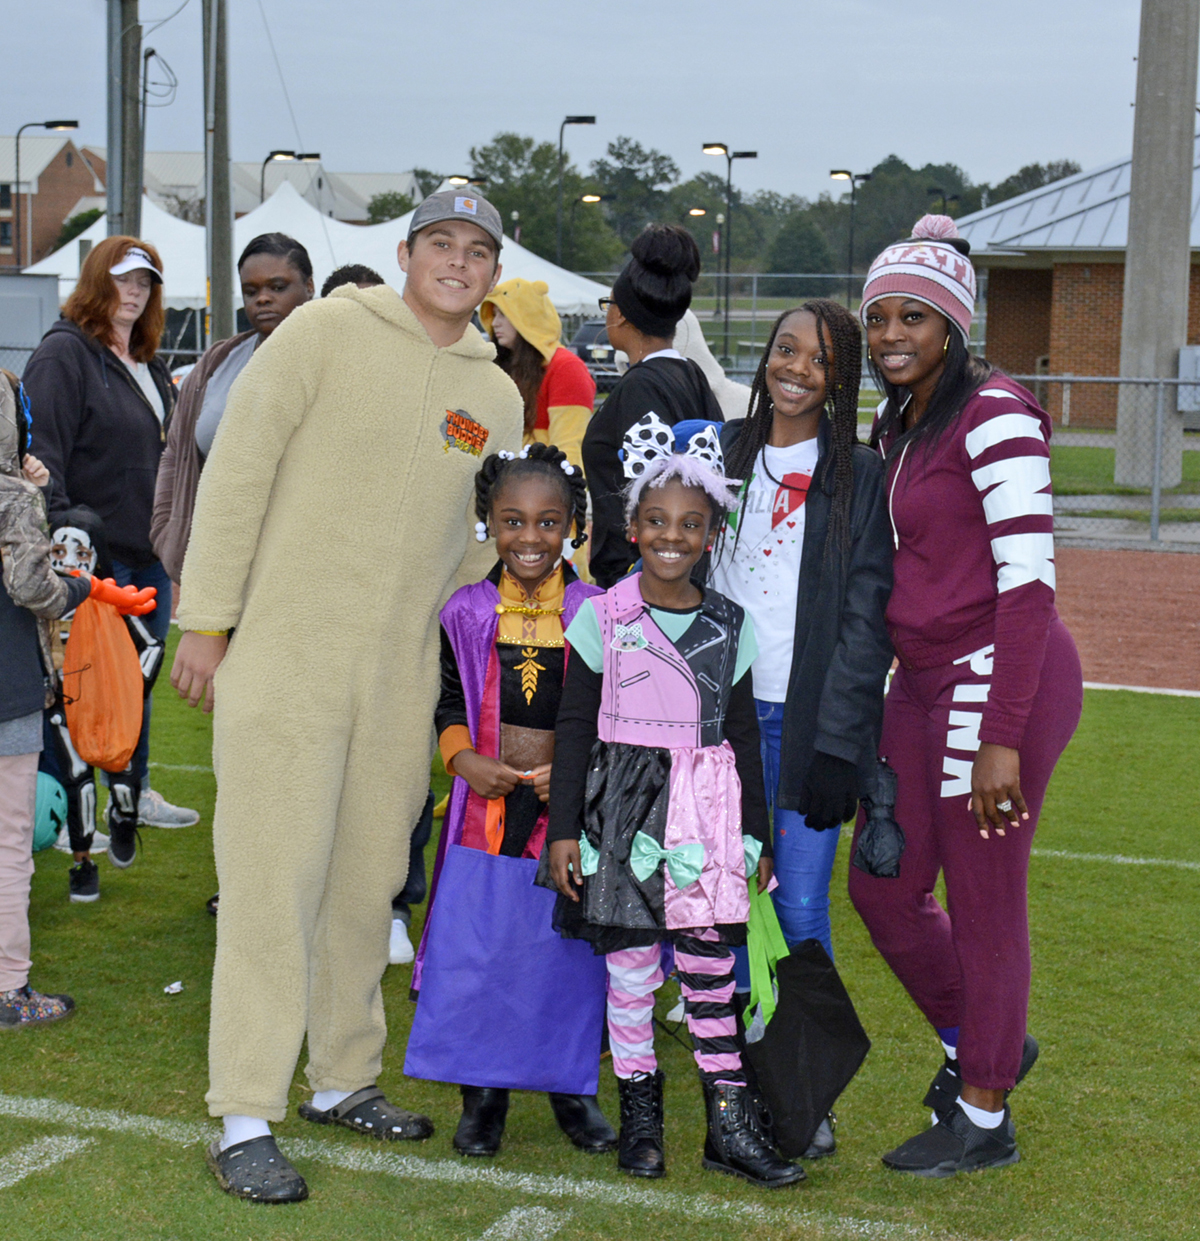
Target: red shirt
column 566, row 382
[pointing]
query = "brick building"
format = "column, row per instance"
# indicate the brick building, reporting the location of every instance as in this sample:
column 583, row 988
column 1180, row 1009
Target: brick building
column 55, row 177
column 1055, row 263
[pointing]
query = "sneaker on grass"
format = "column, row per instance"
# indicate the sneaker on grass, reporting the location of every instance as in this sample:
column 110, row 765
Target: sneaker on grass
column 123, row 841
column 83, row 882
column 155, row 811
column 99, row 842
column 25, row 1007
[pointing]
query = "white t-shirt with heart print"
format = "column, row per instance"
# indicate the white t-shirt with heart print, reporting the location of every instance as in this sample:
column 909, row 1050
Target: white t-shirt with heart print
column 759, row 561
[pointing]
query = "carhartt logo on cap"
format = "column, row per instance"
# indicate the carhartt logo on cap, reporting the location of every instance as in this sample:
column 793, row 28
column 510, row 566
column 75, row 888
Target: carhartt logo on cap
column 465, row 204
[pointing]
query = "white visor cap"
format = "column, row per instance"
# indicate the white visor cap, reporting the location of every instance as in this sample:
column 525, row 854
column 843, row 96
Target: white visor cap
column 135, row 258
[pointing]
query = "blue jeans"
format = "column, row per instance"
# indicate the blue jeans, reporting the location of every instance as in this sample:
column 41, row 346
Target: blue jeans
column 803, row 858
column 159, row 624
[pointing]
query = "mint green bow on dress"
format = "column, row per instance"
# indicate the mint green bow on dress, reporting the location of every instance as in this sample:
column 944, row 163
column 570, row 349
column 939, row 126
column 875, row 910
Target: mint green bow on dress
column 684, row 862
column 753, row 850
column 589, row 856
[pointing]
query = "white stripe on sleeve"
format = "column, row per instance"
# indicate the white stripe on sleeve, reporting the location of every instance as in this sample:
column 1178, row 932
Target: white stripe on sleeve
column 1002, row 427
column 1018, row 483
column 1024, row 558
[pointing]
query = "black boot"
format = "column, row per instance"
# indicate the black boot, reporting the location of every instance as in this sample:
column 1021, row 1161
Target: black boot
column 482, row 1124
column 580, row 1118
column 736, row 1143
column 640, row 1146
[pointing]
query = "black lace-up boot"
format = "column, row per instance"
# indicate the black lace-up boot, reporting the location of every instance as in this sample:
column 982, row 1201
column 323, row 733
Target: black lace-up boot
column 640, row 1145
column 736, row 1142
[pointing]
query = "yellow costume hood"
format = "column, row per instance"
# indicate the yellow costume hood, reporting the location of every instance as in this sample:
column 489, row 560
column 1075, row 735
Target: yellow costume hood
column 527, row 306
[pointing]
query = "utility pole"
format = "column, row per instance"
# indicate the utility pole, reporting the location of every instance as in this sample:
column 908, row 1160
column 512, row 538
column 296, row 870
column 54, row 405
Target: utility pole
column 114, row 166
column 218, row 202
column 1158, row 249
column 131, row 122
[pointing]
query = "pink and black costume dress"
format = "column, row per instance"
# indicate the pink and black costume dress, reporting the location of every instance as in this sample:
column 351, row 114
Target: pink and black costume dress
column 658, row 774
column 502, row 1000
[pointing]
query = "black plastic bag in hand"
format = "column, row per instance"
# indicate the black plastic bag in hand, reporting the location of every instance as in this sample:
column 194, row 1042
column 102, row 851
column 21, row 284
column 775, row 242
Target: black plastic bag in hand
column 829, row 794
column 881, row 841
column 813, row 1046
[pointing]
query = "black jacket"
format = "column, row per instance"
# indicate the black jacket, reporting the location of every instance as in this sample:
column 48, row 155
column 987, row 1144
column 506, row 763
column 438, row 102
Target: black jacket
column 676, row 390
column 96, row 433
column 842, row 651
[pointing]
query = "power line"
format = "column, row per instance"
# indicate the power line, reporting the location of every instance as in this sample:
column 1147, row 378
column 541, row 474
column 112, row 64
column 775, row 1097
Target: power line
column 279, row 69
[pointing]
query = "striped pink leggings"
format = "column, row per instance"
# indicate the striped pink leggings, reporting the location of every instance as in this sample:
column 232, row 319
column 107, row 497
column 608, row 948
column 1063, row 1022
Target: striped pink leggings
column 705, row 969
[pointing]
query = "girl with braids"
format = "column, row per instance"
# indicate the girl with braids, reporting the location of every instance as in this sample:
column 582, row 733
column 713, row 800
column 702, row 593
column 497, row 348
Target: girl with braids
column 807, row 553
column 503, row 1002
column 987, row 695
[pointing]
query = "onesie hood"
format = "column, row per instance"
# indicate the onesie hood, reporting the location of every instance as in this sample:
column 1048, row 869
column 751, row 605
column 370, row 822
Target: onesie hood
column 527, row 306
column 384, row 301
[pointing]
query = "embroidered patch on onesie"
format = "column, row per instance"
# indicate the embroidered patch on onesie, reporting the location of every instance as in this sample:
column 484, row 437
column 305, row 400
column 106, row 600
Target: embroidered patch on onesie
column 461, row 431
column 628, row 637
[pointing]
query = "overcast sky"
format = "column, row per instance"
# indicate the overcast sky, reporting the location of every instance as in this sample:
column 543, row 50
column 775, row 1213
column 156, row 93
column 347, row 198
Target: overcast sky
column 386, row 85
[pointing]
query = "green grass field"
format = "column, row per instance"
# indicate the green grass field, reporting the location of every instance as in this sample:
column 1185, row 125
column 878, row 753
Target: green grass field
column 1103, row 1121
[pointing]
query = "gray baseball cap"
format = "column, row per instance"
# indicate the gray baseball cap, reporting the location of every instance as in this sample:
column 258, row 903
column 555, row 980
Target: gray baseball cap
column 458, row 205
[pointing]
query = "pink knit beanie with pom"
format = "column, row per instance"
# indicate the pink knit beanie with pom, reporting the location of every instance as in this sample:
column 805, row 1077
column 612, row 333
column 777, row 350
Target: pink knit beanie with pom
column 929, row 268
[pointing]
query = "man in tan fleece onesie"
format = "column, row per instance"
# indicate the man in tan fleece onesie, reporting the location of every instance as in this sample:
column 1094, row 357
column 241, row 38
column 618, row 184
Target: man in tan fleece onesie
column 330, row 523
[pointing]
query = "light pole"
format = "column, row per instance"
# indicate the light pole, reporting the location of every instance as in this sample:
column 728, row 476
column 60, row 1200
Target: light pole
column 844, row 174
column 568, row 120
column 721, row 148
column 284, row 157
column 17, row 183
column 585, row 198
column 941, row 193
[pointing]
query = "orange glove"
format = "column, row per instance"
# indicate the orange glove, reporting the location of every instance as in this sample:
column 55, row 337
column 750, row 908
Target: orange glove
column 128, row 600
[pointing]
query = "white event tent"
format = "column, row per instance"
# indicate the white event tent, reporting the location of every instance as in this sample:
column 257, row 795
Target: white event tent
column 330, row 244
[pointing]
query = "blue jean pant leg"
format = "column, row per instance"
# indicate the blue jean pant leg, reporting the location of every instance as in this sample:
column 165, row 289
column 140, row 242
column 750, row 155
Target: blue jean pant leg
column 803, row 858
column 159, row 624
column 413, row 892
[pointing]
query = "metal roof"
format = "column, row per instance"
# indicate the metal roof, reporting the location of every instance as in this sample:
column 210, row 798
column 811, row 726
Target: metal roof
column 1089, row 211
column 37, row 150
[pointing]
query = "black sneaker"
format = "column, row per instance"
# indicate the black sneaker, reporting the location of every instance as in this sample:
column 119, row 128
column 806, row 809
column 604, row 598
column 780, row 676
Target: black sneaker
column 83, row 881
column 123, row 841
column 956, row 1144
column 945, row 1088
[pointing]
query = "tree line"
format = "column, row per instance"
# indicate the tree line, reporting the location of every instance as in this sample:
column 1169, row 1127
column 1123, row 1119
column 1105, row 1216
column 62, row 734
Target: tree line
column 772, row 232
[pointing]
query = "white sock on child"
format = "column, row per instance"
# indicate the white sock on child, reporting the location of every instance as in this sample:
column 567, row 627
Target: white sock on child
column 243, row 1129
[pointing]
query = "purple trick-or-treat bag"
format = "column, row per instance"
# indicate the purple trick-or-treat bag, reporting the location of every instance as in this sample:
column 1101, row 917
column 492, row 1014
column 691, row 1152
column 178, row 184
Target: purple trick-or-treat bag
column 504, row 1000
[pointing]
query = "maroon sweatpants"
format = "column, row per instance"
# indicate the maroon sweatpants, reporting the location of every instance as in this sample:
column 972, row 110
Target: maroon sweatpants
column 967, row 967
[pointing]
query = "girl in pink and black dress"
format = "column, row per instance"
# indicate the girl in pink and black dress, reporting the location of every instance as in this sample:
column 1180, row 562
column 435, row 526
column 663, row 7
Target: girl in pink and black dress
column 987, row 695
column 657, row 810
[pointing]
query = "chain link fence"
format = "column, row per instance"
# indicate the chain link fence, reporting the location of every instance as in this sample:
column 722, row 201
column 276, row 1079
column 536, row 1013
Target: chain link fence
column 1125, row 458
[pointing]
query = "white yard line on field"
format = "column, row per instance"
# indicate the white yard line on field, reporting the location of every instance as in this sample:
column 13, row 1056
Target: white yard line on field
column 1115, row 859
column 207, row 771
column 526, row 1224
column 38, row 1156
column 413, row 1167
column 1144, row 689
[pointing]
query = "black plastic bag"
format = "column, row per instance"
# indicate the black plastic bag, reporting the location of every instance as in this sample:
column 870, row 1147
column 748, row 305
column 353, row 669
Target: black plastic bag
column 813, row 1046
column 881, row 841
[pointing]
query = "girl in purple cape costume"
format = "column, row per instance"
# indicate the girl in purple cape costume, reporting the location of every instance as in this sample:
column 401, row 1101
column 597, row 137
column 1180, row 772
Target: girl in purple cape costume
column 503, row 1002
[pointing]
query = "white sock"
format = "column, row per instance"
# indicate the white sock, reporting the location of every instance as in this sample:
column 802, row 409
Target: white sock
column 325, row 1099
column 951, row 1052
column 980, row 1118
column 243, row 1129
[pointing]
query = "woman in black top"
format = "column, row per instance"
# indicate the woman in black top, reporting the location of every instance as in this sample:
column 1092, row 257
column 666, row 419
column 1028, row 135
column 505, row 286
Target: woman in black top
column 649, row 298
column 101, row 403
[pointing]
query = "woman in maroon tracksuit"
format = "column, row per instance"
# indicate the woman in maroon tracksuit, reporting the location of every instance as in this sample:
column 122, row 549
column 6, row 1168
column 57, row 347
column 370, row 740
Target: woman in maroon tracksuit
column 986, row 697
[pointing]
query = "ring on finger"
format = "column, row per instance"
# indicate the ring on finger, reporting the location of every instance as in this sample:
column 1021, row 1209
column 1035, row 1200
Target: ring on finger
column 1004, row 806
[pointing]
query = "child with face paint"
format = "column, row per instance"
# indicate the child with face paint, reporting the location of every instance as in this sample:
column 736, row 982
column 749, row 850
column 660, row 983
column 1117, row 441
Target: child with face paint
column 503, row 656
column 32, row 596
column 657, row 811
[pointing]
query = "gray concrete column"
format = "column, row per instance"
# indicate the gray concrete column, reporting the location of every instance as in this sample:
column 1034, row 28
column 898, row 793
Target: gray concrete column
column 218, row 196
column 1158, row 253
